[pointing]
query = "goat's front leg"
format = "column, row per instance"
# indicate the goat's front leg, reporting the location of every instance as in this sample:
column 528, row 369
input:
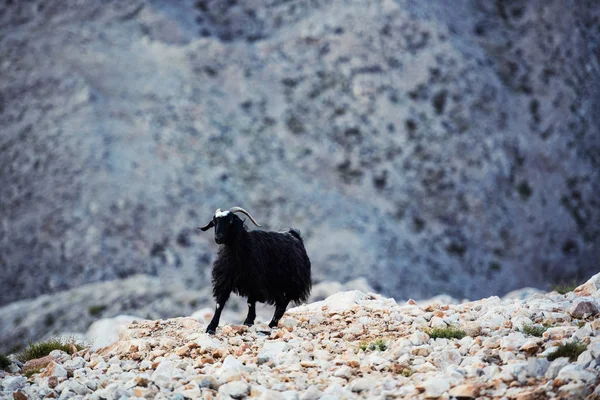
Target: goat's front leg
column 221, row 300
column 251, row 312
column 280, row 307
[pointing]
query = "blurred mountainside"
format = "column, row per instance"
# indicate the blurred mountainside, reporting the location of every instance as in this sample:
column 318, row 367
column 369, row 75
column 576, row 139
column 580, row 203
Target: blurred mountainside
column 431, row 147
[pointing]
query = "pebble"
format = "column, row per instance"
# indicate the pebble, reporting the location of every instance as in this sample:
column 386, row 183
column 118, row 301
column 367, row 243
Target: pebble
column 236, row 389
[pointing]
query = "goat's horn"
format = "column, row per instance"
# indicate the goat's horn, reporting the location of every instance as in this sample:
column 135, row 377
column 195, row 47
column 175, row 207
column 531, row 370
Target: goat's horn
column 240, row 209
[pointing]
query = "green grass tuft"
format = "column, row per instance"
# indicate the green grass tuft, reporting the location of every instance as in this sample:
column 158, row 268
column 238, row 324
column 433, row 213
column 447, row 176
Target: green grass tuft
column 534, row 330
column 4, row 362
column 94, row 311
column 41, row 349
column 446, row 333
column 30, row 372
column 571, row 350
column 564, row 288
column 374, row 345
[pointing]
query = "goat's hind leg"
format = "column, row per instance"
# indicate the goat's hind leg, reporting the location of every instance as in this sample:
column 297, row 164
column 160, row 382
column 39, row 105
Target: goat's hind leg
column 251, row 312
column 280, row 307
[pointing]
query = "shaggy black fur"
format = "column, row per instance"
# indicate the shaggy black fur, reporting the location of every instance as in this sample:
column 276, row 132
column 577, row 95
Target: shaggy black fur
column 268, row 267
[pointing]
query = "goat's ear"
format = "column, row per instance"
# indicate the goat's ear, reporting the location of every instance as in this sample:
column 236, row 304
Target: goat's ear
column 207, row 226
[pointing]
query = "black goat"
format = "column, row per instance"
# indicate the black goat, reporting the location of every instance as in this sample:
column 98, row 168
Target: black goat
column 268, row 267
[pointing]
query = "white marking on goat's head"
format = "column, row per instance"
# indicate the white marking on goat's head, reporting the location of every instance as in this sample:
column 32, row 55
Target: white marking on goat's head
column 220, row 213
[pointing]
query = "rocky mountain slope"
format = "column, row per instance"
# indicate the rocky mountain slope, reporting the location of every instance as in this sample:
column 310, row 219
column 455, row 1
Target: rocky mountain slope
column 431, row 147
column 351, row 345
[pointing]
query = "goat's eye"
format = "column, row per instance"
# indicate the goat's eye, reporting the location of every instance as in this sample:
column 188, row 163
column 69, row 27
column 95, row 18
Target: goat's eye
column 230, row 221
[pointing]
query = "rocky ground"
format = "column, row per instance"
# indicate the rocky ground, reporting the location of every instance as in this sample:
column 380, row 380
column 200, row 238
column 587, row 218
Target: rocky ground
column 351, row 345
column 89, row 309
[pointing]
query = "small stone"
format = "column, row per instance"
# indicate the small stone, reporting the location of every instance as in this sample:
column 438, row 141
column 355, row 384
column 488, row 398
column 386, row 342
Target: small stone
column 207, row 381
column 37, row 363
column 584, row 309
column 343, row 372
column 289, row 322
column 418, row 338
column 19, row 396
column 530, row 347
column 289, row 395
column 465, row 391
column 270, row 350
column 362, row 384
column 236, row 389
column 423, row 350
column 52, row 382
column 267, row 395
column 230, row 370
column 182, row 351
column 434, row 387
column 163, row 374
column 555, row 367
column 585, row 359
column 312, row 393
column 537, row 367
column 79, row 388
column 437, row 322
column 206, row 342
column 75, row 363
column 191, row 391
column 574, row 390
column 574, row 372
column 13, row 383
column 54, row 369
column 512, row 342
column 559, row 332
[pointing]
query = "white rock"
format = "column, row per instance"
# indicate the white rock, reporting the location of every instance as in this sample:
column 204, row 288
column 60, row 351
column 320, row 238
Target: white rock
column 13, row 383
column 163, row 374
column 594, row 348
column 583, row 332
column 585, row 359
column 437, row 322
column 435, row 387
column 59, row 356
column 269, row 395
column 574, row 372
column 235, row 389
column 555, row 367
column 230, row 370
column 191, row 390
column 75, row 363
column 446, row 357
column 105, row 331
column 271, row 350
column 537, row 367
column 79, row 388
column 343, row 372
column 512, row 341
column 573, row 390
column 312, row 393
column 55, row 369
column 362, row 384
column 208, row 342
column 418, row 338
column 289, row 395
column 289, row 322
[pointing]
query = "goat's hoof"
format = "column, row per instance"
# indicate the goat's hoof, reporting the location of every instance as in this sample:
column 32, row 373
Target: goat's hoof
column 273, row 324
column 210, row 331
column 248, row 323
